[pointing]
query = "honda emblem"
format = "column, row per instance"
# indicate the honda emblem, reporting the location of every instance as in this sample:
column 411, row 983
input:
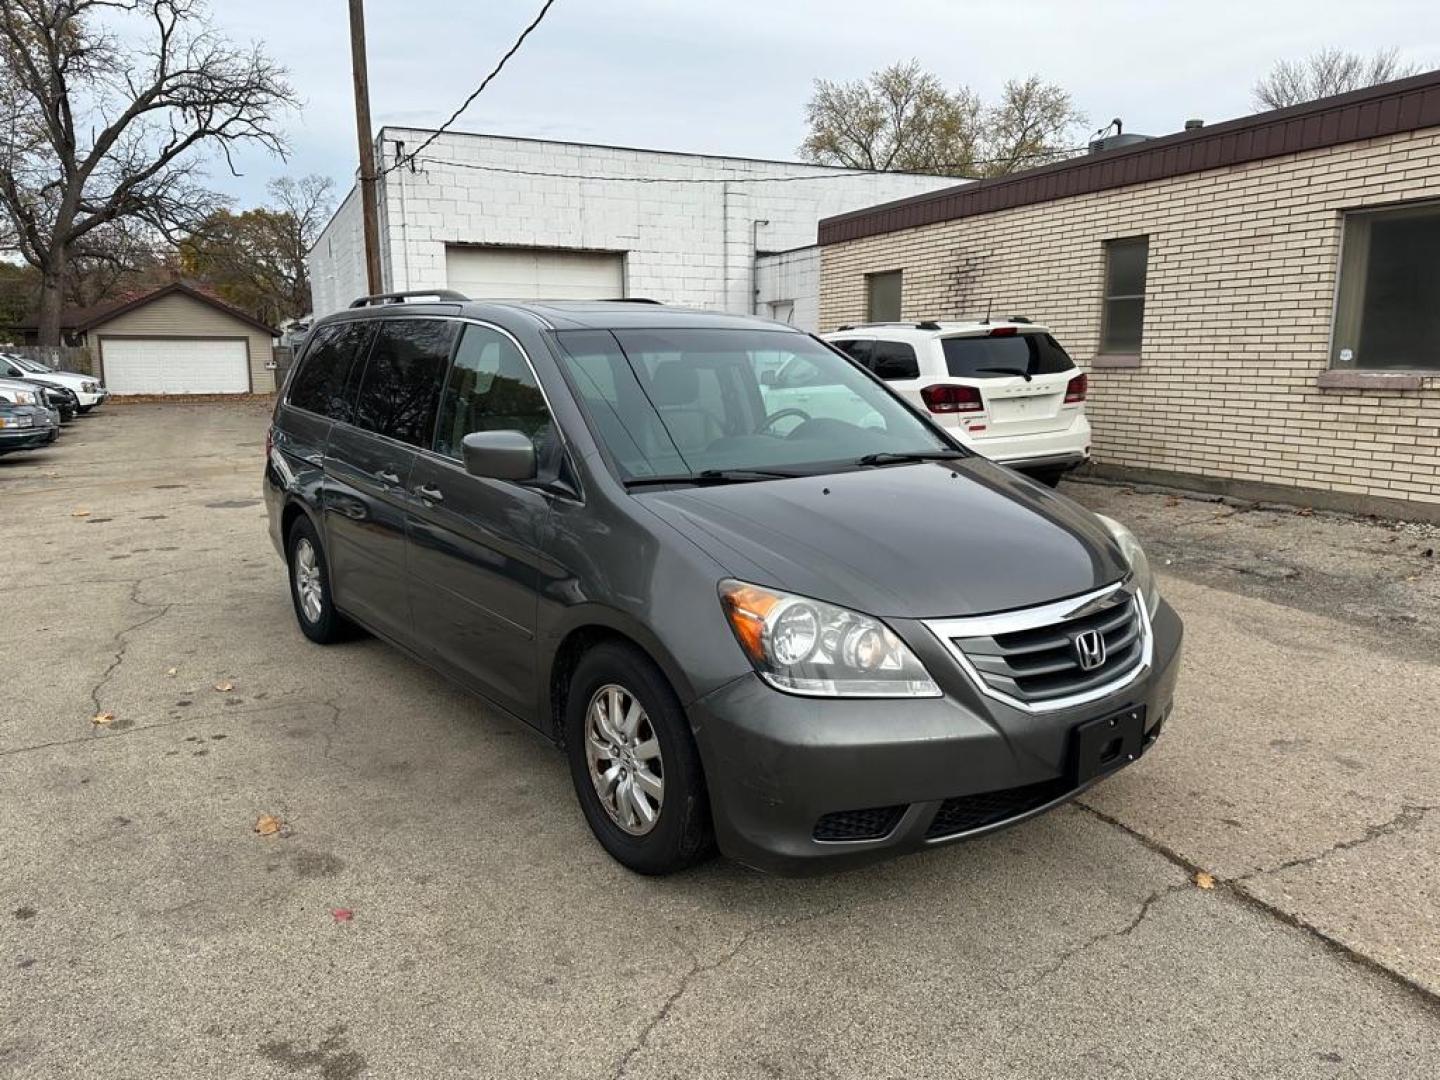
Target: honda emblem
column 1089, row 649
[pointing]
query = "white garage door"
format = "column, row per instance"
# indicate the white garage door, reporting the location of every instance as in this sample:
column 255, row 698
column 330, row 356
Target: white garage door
column 175, row 366
column 534, row 273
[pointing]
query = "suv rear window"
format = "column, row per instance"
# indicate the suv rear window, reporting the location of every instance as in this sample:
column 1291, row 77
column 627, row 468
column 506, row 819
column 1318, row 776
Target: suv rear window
column 995, row 357
column 320, row 385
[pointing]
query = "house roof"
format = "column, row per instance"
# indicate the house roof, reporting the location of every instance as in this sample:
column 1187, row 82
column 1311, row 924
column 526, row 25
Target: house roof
column 1387, row 109
column 79, row 320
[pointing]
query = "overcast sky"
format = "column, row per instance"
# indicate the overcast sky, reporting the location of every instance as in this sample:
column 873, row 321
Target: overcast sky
column 732, row 76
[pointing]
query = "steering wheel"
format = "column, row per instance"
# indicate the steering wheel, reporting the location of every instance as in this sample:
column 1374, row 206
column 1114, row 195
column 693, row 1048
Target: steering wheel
column 770, row 421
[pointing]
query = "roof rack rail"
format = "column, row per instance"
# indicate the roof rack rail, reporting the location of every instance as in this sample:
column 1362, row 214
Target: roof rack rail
column 400, row 297
column 1021, row 319
column 929, row 324
column 628, row 300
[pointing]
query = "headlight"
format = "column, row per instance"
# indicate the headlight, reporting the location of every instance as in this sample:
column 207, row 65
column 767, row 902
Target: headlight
column 16, row 421
column 811, row 647
column 24, row 397
column 89, row 387
column 1139, row 564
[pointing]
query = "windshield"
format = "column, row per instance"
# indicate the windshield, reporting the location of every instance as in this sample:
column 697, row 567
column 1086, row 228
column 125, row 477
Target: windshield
column 29, row 365
column 994, row 357
column 680, row 402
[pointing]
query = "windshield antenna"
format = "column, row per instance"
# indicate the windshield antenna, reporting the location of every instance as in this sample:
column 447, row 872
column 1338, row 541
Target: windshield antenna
column 988, row 305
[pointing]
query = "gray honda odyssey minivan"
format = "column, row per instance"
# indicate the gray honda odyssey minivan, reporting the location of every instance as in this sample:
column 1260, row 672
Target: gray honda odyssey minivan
column 812, row 632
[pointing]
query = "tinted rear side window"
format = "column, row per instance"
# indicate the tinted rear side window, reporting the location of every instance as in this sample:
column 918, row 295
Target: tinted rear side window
column 322, row 383
column 856, row 350
column 996, row 357
column 400, row 391
column 894, row 360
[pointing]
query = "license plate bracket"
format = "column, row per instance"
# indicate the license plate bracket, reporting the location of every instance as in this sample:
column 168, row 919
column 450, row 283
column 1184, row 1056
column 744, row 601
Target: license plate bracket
column 1104, row 744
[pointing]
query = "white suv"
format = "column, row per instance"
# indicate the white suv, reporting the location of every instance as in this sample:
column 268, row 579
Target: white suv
column 1003, row 387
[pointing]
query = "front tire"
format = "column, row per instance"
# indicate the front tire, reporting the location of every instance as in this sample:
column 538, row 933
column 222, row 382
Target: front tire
column 83, row 409
column 634, row 764
column 310, row 586
column 1049, row 477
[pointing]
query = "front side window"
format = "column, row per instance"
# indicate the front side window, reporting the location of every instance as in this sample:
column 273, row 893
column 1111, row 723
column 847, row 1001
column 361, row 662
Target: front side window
column 490, row 388
column 400, row 391
column 882, row 299
column 678, row 402
column 322, row 383
column 1388, row 313
column 1123, row 319
column 997, row 357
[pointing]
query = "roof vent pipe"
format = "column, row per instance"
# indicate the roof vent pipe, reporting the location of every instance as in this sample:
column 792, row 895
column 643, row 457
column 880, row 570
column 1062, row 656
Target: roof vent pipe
column 1194, row 125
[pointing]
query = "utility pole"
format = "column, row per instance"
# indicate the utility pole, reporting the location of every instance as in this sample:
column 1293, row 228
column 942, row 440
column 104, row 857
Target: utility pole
column 367, row 145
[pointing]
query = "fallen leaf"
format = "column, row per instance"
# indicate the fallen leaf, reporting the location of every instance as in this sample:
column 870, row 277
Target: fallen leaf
column 342, row 914
column 172, row 672
column 1305, row 511
column 103, row 718
column 1171, row 500
column 224, row 687
column 1204, row 880
column 79, row 513
column 269, row 825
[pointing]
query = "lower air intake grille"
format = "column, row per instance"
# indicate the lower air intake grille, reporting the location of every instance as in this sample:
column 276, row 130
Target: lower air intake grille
column 858, row 824
column 970, row 812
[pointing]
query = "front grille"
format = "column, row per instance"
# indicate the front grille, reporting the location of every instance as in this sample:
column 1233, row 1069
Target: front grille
column 869, row 824
column 970, row 812
column 1042, row 663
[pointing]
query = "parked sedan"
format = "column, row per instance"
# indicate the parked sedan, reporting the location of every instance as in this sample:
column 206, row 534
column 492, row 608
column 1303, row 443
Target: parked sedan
column 25, row 392
column 25, row 427
column 88, row 390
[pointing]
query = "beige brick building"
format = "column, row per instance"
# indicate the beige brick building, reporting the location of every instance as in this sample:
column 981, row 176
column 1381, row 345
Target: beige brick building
column 1258, row 302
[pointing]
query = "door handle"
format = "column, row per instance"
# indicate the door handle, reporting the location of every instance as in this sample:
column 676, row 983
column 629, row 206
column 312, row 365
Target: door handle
column 429, row 491
column 385, row 476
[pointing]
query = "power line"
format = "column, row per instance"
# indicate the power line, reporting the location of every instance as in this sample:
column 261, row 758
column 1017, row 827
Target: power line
column 838, row 175
column 466, row 103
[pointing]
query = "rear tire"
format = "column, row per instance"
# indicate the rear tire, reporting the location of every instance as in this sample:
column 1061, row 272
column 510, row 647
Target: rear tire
column 310, row 586
column 634, row 763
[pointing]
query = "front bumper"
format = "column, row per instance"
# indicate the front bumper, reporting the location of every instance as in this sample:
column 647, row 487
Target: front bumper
column 777, row 764
column 26, row 438
column 90, row 400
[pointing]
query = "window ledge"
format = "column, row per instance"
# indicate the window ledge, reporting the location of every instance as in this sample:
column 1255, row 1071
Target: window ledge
column 1115, row 360
column 1346, row 379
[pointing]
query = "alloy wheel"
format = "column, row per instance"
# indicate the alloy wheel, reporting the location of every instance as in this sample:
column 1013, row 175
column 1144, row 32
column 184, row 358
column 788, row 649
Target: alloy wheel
column 307, row 580
column 624, row 759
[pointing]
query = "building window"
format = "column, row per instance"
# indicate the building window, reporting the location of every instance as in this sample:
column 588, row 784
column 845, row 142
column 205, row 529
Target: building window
column 882, row 302
column 1388, row 308
column 1124, row 315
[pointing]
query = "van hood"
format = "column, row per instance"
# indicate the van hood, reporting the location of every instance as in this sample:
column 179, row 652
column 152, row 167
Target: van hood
column 927, row 540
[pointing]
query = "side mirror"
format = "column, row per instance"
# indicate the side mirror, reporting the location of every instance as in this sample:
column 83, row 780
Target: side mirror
column 499, row 455
column 767, row 378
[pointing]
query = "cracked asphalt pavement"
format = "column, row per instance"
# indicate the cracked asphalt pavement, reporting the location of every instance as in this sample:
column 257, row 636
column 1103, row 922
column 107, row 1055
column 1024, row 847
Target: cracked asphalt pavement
column 434, row 905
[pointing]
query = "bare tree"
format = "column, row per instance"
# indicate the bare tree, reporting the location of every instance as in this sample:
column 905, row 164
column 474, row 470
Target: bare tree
column 903, row 119
column 1326, row 73
column 102, row 132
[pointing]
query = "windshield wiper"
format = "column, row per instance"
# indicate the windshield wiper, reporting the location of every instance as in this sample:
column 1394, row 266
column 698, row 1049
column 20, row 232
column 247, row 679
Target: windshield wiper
column 713, row 476
column 1008, row 371
column 901, row 457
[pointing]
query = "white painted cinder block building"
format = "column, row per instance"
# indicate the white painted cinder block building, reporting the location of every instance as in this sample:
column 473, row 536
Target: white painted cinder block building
column 498, row 217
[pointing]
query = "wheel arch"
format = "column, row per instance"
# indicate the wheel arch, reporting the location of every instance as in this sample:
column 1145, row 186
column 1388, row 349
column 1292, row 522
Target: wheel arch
column 589, row 629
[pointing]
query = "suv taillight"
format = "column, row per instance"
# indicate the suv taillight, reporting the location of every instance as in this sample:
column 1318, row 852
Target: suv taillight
column 1076, row 389
column 943, row 398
